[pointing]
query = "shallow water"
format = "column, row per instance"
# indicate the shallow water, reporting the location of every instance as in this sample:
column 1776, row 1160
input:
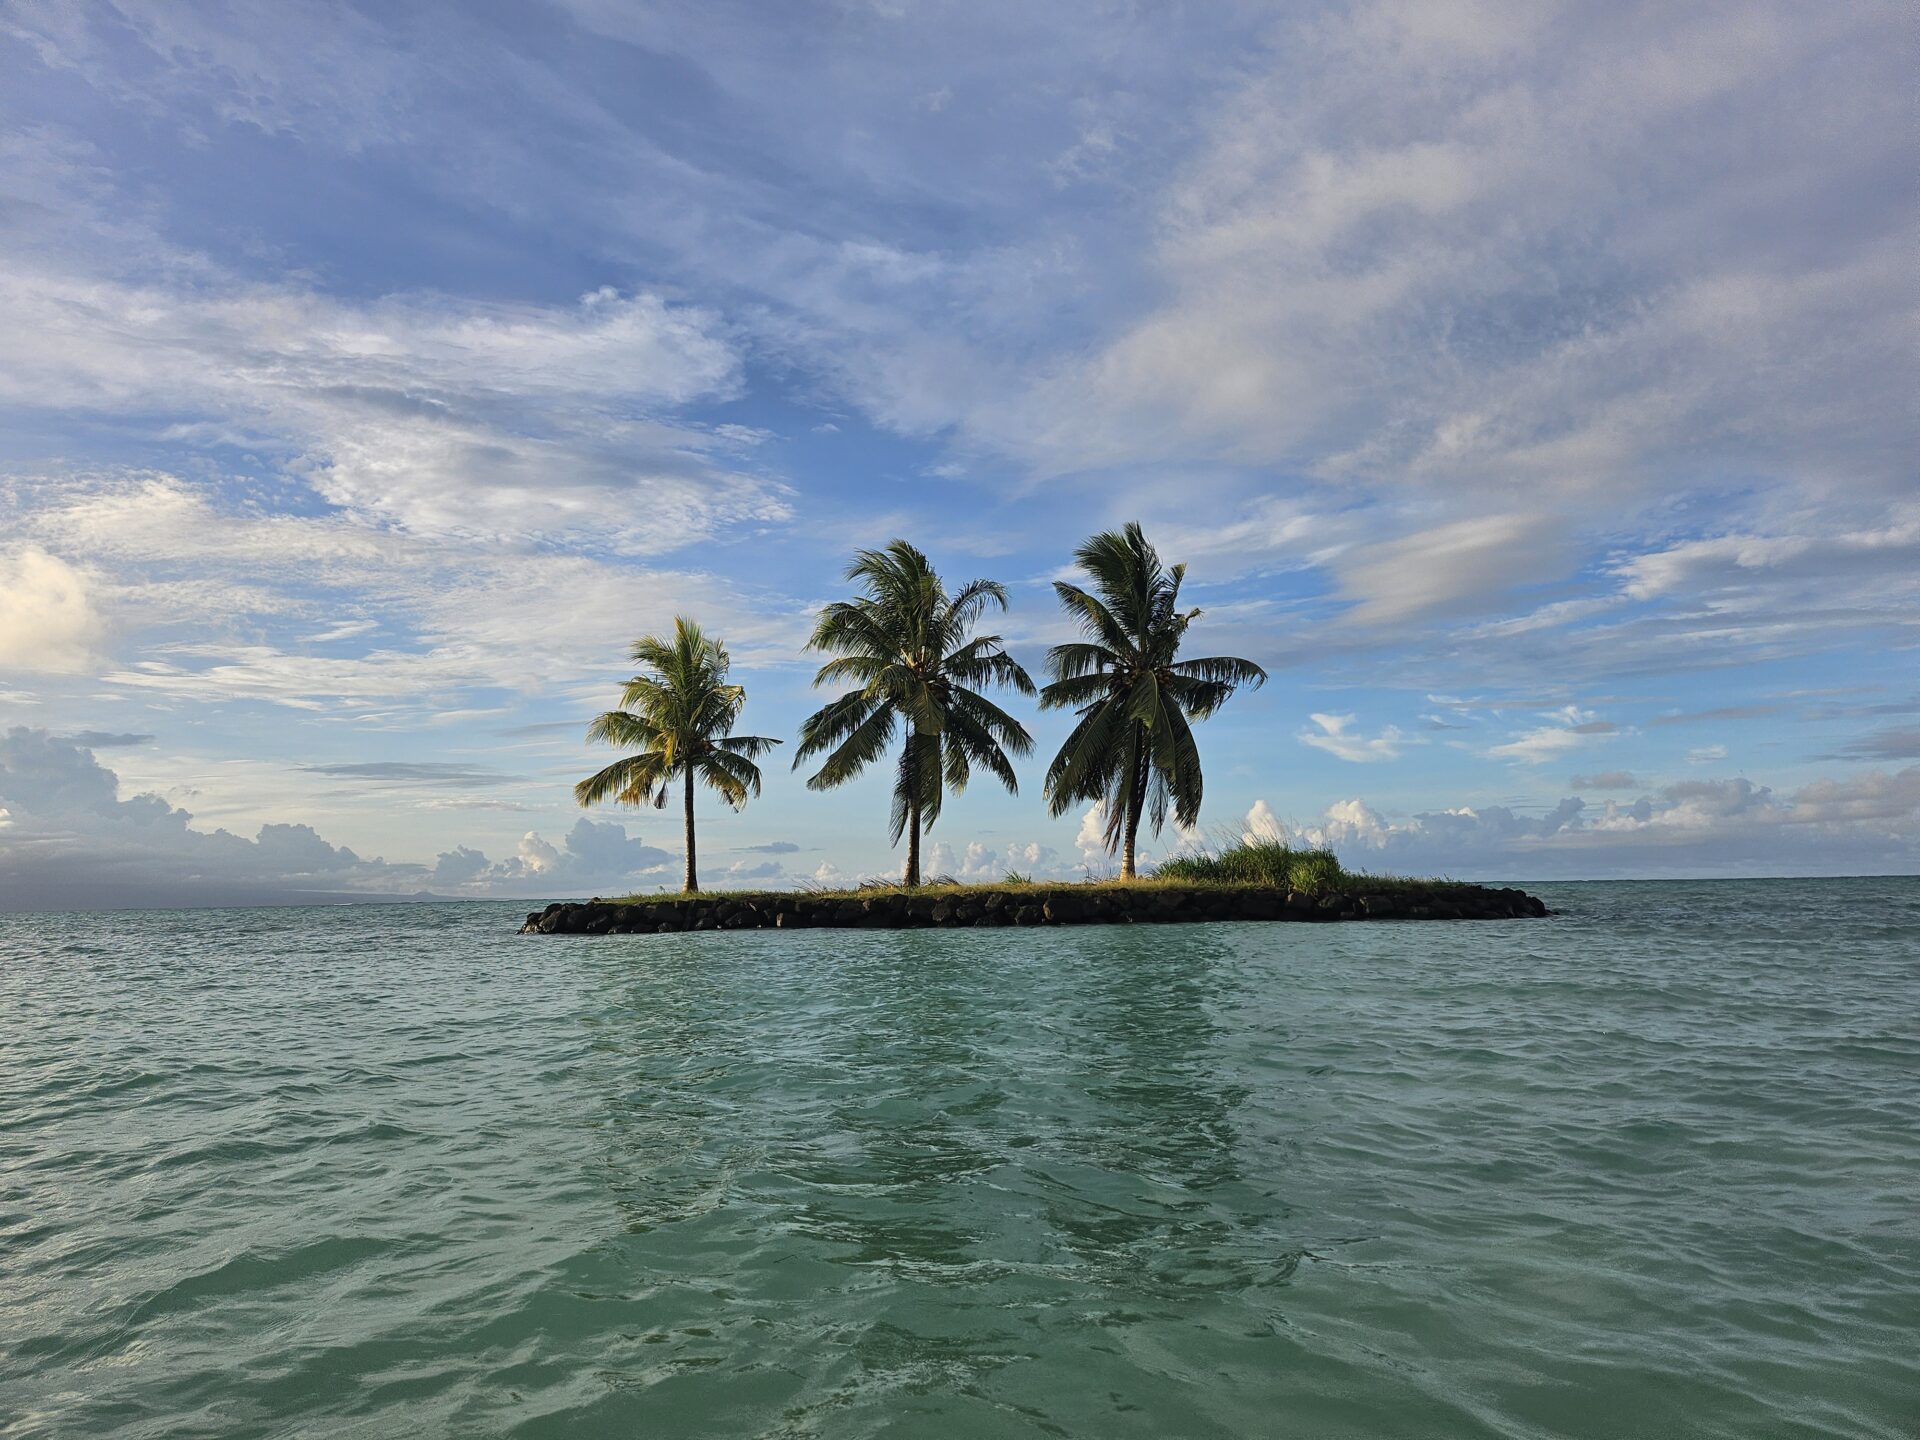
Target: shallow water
column 1647, row 1168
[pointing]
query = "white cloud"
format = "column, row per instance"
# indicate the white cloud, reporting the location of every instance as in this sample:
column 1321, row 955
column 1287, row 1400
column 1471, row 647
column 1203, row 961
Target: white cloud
column 1706, row 754
column 1572, row 729
column 1462, row 317
column 1456, row 264
column 74, row 842
column 596, row 856
column 1535, row 746
column 1091, row 838
column 47, row 619
column 222, row 604
column 1869, row 824
column 1728, row 564
column 71, row 841
column 1336, row 736
column 1451, row 569
column 442, row 417
column 1262, row 825
column 1604, row 780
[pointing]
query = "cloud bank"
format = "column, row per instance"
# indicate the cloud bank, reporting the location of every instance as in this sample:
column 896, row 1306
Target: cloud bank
column 69, row 841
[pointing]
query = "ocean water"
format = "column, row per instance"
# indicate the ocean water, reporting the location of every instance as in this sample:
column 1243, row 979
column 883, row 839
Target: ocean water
column 1649, row 1168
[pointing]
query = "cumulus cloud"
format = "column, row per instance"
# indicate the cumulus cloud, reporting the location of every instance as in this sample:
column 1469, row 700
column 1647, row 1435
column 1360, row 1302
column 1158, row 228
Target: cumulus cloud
column 1262, row 825
column 47, row 620
column 596, row 855
column 71, row 841
column 978, row 862
column 743, row 870
column 1091, row 837
column 1868, row 824
column 459, row 866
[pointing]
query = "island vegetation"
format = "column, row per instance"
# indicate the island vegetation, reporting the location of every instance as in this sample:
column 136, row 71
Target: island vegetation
column 679, row 712
column 909, row 650
column 914, row 668
column 1249, row 880
column 1133, row 749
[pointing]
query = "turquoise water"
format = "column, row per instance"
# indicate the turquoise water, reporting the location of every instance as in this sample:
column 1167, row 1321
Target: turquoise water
column 1645, row 1169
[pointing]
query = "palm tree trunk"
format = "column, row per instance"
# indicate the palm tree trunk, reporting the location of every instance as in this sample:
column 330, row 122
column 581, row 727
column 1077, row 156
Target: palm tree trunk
column 1136, row 797
column 693, row 880
column 913, row 809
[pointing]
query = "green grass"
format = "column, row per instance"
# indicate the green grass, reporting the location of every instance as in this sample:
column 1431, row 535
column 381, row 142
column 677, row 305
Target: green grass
column 1243, row 864
column 1257, row 862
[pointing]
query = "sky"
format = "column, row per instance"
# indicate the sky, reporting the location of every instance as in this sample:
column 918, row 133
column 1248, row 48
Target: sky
column 1529, row 386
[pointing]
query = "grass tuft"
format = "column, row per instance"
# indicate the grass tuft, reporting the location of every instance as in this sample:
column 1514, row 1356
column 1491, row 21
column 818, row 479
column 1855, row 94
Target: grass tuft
column 1257, row 862
column 1241, row 864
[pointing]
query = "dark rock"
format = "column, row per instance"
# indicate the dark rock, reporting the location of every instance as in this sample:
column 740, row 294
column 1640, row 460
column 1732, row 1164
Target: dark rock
column 1065, row 905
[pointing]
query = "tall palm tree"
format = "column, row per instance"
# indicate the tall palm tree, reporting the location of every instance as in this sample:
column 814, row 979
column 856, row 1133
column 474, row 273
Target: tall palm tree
column 677, row 715
column 1132, row 749
column 908, row 646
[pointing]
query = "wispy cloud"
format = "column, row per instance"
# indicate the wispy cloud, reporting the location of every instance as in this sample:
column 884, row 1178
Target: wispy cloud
column 1335, row 735
column 399, row 772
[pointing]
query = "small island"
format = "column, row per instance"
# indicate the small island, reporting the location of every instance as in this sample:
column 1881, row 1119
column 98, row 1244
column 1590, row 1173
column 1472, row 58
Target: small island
column 1252, row 881
column 909, row 665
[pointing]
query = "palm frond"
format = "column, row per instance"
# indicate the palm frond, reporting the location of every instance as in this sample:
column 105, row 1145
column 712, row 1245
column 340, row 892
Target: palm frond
column 635, row 780
column 833, row 722
column 621, row 727
column 1094, row 617
column 1222, row 670
column 679, row 712
column 752, row 747
column 1133, row 746
column 1084, row 767
column 863, row 744
column 981, row 713
column 1072, row 694
column 734, row 776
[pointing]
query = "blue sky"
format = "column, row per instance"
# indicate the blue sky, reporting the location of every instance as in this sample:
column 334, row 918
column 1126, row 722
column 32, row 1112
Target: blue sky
column 1530, row 387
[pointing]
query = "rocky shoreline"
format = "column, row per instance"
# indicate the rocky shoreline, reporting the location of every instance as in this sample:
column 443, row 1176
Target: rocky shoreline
column 985, row 906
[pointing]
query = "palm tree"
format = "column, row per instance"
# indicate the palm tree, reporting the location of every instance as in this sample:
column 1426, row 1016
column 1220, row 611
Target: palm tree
column 678, row 713
column 1132, row 750
column 907, row 644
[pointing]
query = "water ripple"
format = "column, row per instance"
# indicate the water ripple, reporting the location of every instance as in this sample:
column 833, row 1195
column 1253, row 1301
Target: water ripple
column 1643, row 1169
